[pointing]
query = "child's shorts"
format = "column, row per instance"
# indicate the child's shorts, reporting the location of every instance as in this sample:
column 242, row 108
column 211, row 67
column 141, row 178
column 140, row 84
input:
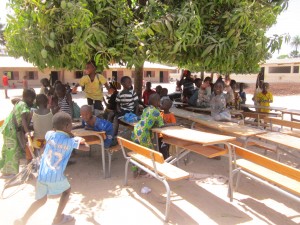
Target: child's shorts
column 51, row 188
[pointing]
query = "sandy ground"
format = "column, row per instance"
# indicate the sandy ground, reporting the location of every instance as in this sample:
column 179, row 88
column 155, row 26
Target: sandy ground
column 202, row 199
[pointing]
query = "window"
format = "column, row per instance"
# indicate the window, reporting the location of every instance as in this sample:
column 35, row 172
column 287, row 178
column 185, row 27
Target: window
column 12, row 75
column 78, row 74
column 280, row 69
column 296, row 69
column 32, row 75
column 149, row 74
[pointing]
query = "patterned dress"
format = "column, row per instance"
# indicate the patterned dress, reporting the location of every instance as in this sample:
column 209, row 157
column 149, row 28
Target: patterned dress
column 11, row 151
column 142, row 130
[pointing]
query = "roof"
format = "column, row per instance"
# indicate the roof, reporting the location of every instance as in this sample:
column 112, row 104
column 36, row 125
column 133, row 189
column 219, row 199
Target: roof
column 7, row 62
column 283, row 61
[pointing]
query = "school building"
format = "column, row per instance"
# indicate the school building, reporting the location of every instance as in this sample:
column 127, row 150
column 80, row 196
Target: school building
column 18, row 68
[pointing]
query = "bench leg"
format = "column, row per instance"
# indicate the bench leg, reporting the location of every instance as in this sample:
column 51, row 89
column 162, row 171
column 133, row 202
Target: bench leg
column 126, row 172
column 168, row 192
column 237, row 180
column 109, row 163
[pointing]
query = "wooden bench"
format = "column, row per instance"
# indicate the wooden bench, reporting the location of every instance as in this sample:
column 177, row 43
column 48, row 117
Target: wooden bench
column 258, row 116
column 285, row 123
column 276, row 175
column 153, row 163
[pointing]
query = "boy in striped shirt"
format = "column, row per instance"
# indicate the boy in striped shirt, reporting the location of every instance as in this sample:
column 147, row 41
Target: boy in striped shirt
column 51, row 179
column 127, row 101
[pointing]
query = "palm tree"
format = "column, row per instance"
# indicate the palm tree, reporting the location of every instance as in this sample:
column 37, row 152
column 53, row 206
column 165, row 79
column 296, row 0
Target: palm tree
column 295, row 43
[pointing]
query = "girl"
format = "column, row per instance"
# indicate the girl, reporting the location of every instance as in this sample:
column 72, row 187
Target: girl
column 17, row 123
column 150, row 118
column 218, row 103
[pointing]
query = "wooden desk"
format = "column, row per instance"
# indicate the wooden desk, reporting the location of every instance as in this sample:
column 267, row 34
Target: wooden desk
column 93, row 137
column 196, row 141
column 281, row 139
column 233, row 112
column 292, row 112
column 263, row 107
column 229, row 128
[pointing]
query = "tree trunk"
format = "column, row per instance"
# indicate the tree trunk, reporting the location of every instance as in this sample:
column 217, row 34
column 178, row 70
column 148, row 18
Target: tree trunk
column 138, row 79
column 202, row 75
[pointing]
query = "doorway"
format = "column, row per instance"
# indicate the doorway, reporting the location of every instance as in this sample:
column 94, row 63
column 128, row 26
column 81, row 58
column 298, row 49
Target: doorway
column 161, row 76
column 114, row 76
column 53, row 77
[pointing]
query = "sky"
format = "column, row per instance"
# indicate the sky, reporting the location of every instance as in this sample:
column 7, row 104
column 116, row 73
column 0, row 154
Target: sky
column 288, row 22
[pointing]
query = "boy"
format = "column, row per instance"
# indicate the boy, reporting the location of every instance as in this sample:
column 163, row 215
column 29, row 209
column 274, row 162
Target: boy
column 127, row 101
column 92, row 122
column 148, row 91
column 204, row 94
column 51, row 179
column 111, row 104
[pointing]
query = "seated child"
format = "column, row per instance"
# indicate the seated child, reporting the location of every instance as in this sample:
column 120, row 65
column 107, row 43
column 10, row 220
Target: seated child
column 150, row 118
column 42, row 123
column 89, row 121
column 111, row 104
column 164, row 94
column 146, row 94
column 51, row 179
column 193, row 100
column 127, row 101
column 204, row 94
column 169, row 119
column 64, row 99
column 218, row 103
column 264, row 98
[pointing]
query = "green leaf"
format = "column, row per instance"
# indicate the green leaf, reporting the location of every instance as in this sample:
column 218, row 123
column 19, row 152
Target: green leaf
column 207, row 50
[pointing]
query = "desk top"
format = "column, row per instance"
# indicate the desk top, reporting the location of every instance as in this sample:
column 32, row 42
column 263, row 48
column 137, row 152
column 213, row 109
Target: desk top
column 227, row 127
column 232, row 111
column 194, row 136
column 84, row 132
column 282, row 139
column 275, row 108
column 291, row 111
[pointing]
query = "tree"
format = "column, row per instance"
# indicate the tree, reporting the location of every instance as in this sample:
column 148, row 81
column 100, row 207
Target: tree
column 283, row 57
column 295, row 43
column 221, row 35
column 2, row 41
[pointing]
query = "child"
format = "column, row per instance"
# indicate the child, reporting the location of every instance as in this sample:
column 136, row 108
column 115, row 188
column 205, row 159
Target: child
column 111, row 104
column 218, row 103
column 204, row 94
column 169, row 119
column 150, row 118
column 25, row 83
column 51, row 179
column 146, row 94
column 257, row 91
column 13, row 130
column 45, row 89
column 264, row 98
column 188, row 85
column 64, row 99
column 89, row 121
column 42, row 123
column 127, row 101
column 164, row 94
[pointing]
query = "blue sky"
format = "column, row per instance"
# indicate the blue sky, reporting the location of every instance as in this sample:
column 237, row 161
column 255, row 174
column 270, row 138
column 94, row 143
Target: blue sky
column 287, row 23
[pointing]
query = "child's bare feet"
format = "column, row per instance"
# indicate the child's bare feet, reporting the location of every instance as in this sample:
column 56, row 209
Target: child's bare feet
column 19, row 222
column 63, row 219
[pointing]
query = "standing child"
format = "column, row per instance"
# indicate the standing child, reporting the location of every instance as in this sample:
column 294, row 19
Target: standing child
column 25, row 82
column 127, row 101
column 91, row 122
column 150, row 118
column 51, row 179
column 146, row 94
column 42, row 123
column 264, row 98
column 168, row 119
column 14, row 128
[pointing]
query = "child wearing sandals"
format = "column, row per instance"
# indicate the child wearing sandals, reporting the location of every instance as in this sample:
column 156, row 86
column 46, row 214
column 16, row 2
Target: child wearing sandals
column 51, row 179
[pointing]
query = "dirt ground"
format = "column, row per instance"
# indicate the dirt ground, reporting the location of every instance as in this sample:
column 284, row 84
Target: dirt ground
column 201, row 199
column 278, row 89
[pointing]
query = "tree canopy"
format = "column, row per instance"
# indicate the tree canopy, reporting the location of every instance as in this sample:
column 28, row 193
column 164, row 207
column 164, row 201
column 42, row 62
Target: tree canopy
column 212, row 35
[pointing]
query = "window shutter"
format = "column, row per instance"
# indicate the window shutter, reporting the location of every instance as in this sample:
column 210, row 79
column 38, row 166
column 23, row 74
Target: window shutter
column 36, row 75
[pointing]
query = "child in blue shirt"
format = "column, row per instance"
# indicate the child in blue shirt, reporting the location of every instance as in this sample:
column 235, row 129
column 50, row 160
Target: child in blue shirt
column 51, row 179
column 94, row 123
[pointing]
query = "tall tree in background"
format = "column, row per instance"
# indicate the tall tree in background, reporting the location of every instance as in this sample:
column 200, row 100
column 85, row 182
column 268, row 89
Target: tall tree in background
column 295, row 43
column 2, row 41
column 205, row 35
